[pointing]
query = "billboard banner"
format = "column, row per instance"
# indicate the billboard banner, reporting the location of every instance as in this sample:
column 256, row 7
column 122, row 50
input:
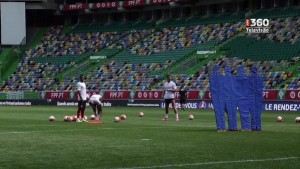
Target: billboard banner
column 157, row 2
column 282, row 106
column 70, row 103
column 75, row 96
column 134, row 3
column 57, row 95
column 116, row 95
column 293, row 95
column 268, row 106
column 270, row 94
column 144, row 103
column 148, row 95
column 104, row 5
column 207, row 95
column 75, row 7
column 196, row 104
column 158, row 95
column 191, row 95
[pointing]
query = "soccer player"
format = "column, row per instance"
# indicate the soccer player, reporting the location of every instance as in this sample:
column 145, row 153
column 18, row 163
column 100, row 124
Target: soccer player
column 81, row 90
column 169, row 96
column 183, row 96
column 95, row 103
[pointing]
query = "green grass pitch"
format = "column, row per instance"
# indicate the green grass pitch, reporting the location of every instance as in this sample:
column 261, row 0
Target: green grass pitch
column 29, row 140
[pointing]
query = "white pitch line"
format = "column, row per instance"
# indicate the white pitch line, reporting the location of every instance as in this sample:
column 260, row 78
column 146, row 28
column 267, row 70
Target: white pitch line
column 213, row 163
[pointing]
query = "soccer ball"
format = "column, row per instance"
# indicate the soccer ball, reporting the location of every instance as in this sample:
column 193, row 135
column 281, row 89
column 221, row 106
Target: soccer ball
column 191, row 117
column 297, row 119
column 70, row 118
column 279, row 119
column 92, row 117
column 51, row 118
column 141, row 114
column 66, row 118
column 123, row 117
column 74, row 118
column 117, row 119
column 85, row 118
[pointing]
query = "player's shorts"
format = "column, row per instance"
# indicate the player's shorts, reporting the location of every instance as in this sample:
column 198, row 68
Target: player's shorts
column 81, row 104
column 168, row 101
column 94, row 103
column 182, row 101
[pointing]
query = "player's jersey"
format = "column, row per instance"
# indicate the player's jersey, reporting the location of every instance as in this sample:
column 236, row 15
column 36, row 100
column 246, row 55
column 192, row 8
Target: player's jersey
column 95, row 98
column 82, row 89
column 169, row 86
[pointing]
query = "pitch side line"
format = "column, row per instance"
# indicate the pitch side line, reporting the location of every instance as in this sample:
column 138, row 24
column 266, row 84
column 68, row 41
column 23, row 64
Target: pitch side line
column 213, row 163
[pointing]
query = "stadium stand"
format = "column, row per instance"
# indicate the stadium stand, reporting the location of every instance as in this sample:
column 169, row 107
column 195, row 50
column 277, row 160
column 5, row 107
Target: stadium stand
column 139, row 52
column 55, row 43
column 282, row 30
column 294, row 84
column 151, row 65
column 33, row 76
column 119, row 76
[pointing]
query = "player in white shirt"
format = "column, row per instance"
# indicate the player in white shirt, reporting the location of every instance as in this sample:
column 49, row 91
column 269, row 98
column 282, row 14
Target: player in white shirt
column 95, row 103
column 169, row 96
column 82, row 96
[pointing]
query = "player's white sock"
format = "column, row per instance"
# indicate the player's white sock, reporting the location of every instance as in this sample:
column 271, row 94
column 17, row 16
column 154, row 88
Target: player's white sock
column 166, row 116
column 176, row 114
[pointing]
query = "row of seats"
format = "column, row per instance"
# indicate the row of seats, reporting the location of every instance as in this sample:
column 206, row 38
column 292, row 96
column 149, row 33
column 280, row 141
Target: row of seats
column 183, row 37
column 132, row 38
column 200, row 80
column 32, row 76
column 294, row 84
column 119, row 76
column 282, row 30
column 251, row 48
column 56, row 43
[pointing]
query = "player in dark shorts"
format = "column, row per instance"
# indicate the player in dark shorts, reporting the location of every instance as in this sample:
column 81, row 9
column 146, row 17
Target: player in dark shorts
column 183, row 96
